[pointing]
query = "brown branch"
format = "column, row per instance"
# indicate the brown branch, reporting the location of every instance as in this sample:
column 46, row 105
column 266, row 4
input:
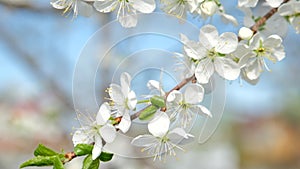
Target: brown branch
column 264, row 19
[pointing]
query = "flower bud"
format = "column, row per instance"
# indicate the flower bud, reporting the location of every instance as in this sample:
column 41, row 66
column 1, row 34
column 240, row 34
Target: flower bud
column 245, row 33
column 209, row 7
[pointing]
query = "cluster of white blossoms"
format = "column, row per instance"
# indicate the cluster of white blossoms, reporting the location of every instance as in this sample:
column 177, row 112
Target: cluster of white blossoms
column 127, row 9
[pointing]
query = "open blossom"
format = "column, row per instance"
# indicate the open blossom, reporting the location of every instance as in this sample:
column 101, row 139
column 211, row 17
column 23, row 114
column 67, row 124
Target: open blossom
column 185, row 106
column 124, row 100
column 179, row 8
column 291, row 10
column 127, row 9
column 210, row 54
column 81, row 7
column 271, row 49
column 97, row 130
column 162, row 139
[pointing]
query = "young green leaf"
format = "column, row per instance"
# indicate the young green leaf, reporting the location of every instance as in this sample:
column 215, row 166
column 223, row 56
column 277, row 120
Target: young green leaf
column 57, row 164
column 38, row 161
column 89, row 163
column 104, row 156
column 42, row 150
column 158, row 101
column 148, row 113
column 83, row 149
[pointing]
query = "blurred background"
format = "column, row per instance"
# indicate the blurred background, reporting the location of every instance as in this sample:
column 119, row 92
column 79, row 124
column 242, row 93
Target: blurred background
column 39, row 49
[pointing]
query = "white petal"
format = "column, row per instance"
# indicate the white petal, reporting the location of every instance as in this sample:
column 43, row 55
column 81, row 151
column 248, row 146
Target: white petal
column 254, row 70
column 97, row 147
column 125, row 83
column 125, row 123
column 80, row 137
column 247, row 3
column 177, row 134
column 127, row 17
column 255, row 41
column 144, row 6
column 159, row 125
column 175, row 96
column 108, row 133
column 116, row 94
column 274, row 3
column 184, row 39
column 204, row 70
column 279, row 53
column 286, row 9
column 60, row 4
column 106, row 6
column 153, row 84
column 203, row 111
column 103, row 114
column 84, row 9
column 227, row 43
column 209, row 7
column 194, row 50
column 209, row 36
column 229, row 18
column 194, row 94
column 132, row 101
column 272, row 41
column 227, row 68
column 144, row 140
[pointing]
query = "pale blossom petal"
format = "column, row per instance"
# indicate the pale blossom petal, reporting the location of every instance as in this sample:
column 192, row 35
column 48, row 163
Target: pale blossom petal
column 272, row 41
column 108, row 133
column 125, row 83
column 274, row 3
column 247, row 3
column 227, row 43
column 116, row 94
column 132, row 101
column 97, row 147
column 125, row 123
column 177, row 134
column 144, row 140
column 254, row 70
column 159, row 125
column 103, row 114
column 204, row 71
column 106, row 6
column 127, row 17
column 81, row 137
column 84, row 9
column 204, row 111
column 195, row 50
column 175, row 96
column 227, row 68
column 194, row 94
column 229, row 19
column 143, row 6
column 209, row 36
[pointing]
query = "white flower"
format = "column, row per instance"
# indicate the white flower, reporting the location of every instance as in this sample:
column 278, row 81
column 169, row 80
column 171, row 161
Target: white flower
column 127, row 9
column 156, row 88
column 247, row 3
column 81, row 7
column 245, row 33
column 186, row 105
column 96, row 131
column 270, row 49
column 179, row 8
column 124, row 100
column 291, row 10
column 210, row 54
column 162, row 139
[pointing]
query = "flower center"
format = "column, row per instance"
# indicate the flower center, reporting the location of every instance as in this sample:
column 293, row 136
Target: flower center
column 181, row 2
column 184, row 105
column 212, row 54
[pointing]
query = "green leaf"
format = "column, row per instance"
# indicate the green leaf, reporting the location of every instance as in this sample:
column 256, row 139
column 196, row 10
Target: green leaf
column 42, row 150
column 148, row 113
column 83, row 149
column 158, row 101
column 57, row 163
column 105, row 156
column 89, row 163
column 38, row 161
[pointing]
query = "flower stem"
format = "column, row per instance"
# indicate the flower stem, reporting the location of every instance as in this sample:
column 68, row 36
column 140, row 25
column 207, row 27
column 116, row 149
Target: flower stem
column 143, row 101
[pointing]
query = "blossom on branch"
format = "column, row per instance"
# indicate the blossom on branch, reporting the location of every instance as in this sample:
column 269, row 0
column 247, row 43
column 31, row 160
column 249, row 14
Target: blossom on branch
column 185, row 106
column 97, row 130
column 162, row 140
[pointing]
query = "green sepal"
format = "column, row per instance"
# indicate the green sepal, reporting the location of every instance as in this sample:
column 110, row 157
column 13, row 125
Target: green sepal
column 89, row 163
column 158, row 101
column 83, row 149
column 148, row 112
column 105, row 156
column 42, row 150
